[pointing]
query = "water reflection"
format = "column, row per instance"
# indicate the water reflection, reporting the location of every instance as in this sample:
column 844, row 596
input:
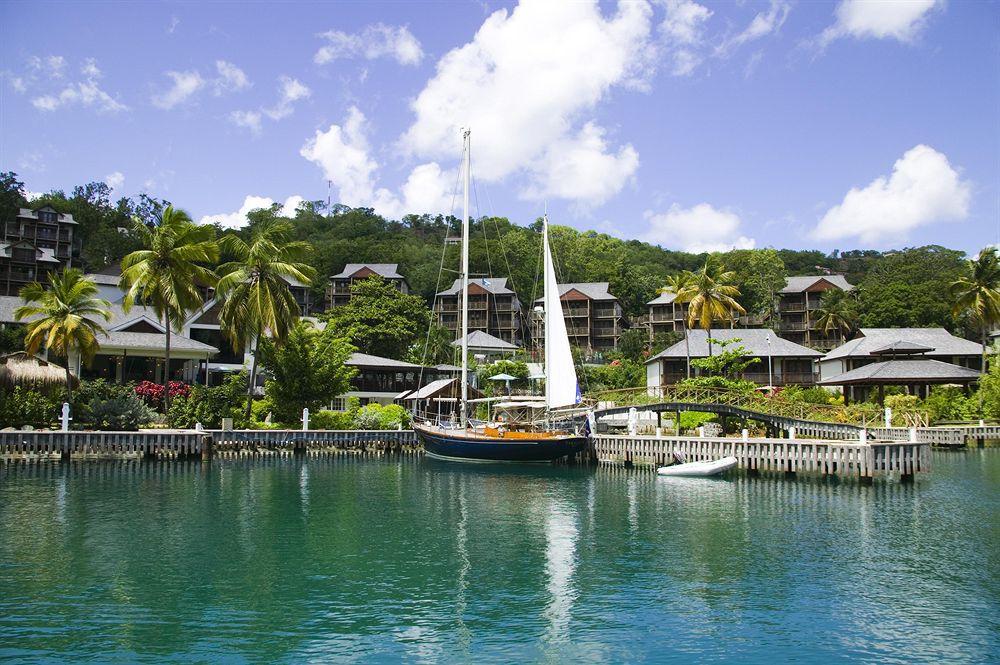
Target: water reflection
column 279, row 560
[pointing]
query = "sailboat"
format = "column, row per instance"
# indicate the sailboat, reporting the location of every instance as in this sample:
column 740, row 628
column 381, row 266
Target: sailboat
column 530, row 440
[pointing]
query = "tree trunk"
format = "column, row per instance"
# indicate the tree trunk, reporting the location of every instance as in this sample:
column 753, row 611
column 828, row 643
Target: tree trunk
column 253, row 377
column 166, row 370
column 687, row 347
column 709, row 340
column 69, row 382
column 982, row 364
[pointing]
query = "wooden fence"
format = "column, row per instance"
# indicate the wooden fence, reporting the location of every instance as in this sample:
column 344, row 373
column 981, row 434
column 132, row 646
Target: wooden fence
column 839, row 458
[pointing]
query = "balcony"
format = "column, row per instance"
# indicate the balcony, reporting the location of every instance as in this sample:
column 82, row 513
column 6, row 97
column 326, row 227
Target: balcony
column 575, row 311
column 786, row 305
column 606, row 312
column 792, row 325
column 606, row 331
column 782, row 379
column 446, row 307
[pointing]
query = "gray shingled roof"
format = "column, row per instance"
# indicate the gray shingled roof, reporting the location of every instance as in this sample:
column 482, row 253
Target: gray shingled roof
column 800, row 283
column 387, row 270
column 910, row 370
column 152, row 342
column 494, row 285
column 901, row 347
column 754, row 340
column 664, row 298
column 367, row 360
column 32, row 213
column 939, row 339
column 118, row 316
column 106, row 280
column 593, row 290
column 479, row 339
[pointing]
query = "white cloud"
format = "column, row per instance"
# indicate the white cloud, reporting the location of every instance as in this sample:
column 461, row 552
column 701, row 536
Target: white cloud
column 247, row 119
column 185, row 85
column 682, row 29
column 557, row 61
column 922, row 189
column 343, row 153
column 290, row 91
column 879, row 19
column 375, row 41
column 115, row 180
column 763, row 24
column 231, row 78
column 238, row 219
column 701, row 228
column 579, row 168
column 86, row 92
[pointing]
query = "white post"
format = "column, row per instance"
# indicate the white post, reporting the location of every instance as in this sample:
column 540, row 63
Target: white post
column 305, row 419
column 633, row 421
column 863, row 435
column 198, row 427
column 888, row 417
column 65, row 417
column 791, row 432
column 701, row 432
column 982, row 422
column 770, row 371
column 913, row 435
column 745, row 435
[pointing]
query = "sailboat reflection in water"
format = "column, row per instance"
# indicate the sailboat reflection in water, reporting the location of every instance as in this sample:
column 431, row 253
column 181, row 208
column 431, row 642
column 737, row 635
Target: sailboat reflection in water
column 528, row 432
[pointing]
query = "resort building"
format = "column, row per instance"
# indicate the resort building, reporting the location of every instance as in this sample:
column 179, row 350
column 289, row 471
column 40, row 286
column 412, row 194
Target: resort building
column 875, row 345
column 789, row 363
column 493, row 308
column 485, row 346
column 593, row 316
column 797, row 305
column 383, row 379
column 338, row 292
column 35, row 243
column 666, row 315
column 134, row 348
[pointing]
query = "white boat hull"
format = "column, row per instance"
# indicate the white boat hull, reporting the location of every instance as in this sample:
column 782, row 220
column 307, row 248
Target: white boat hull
column 712, row 468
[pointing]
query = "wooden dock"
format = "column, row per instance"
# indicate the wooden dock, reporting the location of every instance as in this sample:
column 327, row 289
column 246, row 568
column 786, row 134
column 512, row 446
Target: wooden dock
column 866, row 461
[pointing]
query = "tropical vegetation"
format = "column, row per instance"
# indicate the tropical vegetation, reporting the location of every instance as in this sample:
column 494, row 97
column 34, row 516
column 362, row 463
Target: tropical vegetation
column 63, row 318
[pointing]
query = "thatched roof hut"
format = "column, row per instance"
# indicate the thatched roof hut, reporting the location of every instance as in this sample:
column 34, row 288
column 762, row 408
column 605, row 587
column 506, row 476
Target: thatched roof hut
column 23, row 369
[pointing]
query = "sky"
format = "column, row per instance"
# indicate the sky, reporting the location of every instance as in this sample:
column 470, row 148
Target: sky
column 693, row 125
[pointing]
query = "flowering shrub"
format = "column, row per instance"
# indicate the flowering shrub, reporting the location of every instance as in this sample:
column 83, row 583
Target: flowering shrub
column 152, row 393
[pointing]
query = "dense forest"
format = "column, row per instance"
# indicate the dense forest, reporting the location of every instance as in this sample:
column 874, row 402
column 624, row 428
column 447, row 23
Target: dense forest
column 907, row 287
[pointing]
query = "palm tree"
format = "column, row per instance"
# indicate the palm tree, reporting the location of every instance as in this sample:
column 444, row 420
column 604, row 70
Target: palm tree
column 66, row 318
column 837, row 313
column 679, row 285
column 978, row 293
column 254, row 287
column 169, row 273
column 712, row 296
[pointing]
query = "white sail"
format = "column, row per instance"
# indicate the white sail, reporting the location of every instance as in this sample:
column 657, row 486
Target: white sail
column 561, row 388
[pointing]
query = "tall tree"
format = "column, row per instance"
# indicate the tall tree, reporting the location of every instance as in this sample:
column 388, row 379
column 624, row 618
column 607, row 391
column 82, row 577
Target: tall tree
column 380, row 320
column 63, row 318
column 254, row 287
column 169, row 273
column 760, row 274
column 307, row 371
column 712, row 296
column 838, row 312
column 910, row 288
column 680, row 285
column 977, row 293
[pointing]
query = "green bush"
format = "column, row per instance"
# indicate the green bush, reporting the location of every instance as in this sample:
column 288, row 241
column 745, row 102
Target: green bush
column 738, row 385
column 331, row 420
column 24, row 406
column 951, row 403
column 90, row 392
column 127, row 413
column 693, row 419
column 377, row 416
column 618, row 374
column 209, row 406
column 814, row 395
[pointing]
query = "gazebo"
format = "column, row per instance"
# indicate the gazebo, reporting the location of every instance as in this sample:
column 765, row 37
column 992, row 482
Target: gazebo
column 904, row 365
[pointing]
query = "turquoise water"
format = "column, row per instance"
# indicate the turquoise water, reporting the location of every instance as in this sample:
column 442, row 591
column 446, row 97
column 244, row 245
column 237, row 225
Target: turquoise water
column 353, row 560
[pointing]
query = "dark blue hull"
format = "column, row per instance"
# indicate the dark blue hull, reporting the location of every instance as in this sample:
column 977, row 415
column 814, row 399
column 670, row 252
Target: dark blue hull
column 479, row 449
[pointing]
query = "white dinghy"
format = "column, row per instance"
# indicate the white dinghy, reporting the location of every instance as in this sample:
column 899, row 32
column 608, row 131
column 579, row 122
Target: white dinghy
column 712, row 468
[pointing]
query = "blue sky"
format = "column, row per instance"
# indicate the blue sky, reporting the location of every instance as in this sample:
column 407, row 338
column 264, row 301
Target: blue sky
column 695, row 125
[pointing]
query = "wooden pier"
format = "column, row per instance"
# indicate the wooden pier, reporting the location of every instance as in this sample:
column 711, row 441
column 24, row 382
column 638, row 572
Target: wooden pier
column 866, row 461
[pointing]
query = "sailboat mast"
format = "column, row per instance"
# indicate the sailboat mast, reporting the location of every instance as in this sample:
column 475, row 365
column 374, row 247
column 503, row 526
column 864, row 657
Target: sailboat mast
column 465, row 281
column 545, row 315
